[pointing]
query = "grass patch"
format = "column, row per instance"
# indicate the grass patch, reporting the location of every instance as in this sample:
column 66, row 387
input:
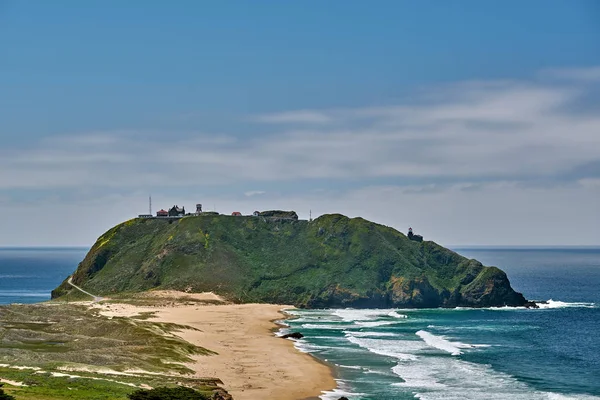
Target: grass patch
column 73, row 339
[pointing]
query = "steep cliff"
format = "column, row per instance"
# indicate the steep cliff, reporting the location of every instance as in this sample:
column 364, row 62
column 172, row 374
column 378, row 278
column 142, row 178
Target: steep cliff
column 333, row 261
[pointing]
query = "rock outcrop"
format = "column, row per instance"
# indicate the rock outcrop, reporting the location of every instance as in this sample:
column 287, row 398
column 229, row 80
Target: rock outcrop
column 293, row 335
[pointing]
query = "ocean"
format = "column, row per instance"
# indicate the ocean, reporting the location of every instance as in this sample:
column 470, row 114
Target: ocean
column 505, row 353
column 28, row 275
column 551, row 353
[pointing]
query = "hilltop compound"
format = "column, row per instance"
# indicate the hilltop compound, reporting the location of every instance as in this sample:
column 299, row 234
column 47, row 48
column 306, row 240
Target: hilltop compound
column 177, row 212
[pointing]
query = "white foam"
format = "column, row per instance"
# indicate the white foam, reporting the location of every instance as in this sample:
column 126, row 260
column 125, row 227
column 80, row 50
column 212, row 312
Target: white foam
column 350, row 366
column 375, row 372
column 450, row 378
column 327, row 327
column 442, row 344
column 549, row 304
column 395, row 314
column 415, row 378
column 351, row 315
column 443, row 378
column 370, row 334
column 337, row 393
column 561, row 304
column 557, row 396
column 305, row 347
column 373, row 324
column 400, row 349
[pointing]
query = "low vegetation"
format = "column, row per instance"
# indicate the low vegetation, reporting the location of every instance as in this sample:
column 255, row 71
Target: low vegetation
column 4, row 396
column 61, row 350
column 166, row 393
column 333, row 261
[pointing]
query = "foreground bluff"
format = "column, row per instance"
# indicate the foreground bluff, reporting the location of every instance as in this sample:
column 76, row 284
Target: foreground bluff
column 333, row 261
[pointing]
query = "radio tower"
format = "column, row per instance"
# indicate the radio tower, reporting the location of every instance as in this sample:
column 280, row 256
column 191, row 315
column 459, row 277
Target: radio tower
column 150, row 205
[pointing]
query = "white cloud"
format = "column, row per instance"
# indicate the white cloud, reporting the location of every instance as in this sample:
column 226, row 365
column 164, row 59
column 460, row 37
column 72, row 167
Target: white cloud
column 500, row 130
column 254, row 193
column 502, row 162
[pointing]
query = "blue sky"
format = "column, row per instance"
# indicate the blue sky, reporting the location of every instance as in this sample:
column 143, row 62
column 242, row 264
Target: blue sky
column 474, row 122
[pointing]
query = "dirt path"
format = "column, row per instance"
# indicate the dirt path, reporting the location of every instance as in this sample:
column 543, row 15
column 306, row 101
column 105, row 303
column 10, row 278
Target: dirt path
column 96, row 298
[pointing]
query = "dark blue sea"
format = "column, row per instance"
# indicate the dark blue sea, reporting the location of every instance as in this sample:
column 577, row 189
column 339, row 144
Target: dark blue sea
column 504, row 353
column 550, row 353
column 27, row 275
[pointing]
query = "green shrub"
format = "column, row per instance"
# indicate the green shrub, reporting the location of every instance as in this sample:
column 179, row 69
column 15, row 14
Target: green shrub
column 4, row 396
column 165, row 393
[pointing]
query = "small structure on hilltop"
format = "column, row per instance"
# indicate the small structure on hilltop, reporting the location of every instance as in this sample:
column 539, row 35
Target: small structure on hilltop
column 198, row 209
column 236, row 214
column 256, row 213
column 145, row 216
column 412, row 236
column 162, row 213
column 176, row 211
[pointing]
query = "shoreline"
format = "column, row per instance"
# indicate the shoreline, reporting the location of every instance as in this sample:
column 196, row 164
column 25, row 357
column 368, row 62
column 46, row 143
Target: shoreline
column 251, row 361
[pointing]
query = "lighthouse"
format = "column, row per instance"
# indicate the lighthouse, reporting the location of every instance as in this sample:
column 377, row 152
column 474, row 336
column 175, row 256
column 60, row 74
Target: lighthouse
column 198, row 209
column 412, row 236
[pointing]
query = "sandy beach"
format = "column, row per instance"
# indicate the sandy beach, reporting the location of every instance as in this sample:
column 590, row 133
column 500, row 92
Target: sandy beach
column 251, row 362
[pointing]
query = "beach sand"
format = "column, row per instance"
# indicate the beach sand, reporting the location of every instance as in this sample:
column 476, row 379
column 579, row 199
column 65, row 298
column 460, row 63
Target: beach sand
column 251, row 362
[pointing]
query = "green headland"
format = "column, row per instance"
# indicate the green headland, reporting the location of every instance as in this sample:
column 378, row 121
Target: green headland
column 332, row 261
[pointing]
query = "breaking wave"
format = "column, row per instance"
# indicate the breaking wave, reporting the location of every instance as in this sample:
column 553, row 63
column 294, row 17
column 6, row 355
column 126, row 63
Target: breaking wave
column 562, row 304
column 442, row 344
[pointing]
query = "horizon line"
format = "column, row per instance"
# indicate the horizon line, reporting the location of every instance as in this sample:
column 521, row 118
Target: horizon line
column 450, row 246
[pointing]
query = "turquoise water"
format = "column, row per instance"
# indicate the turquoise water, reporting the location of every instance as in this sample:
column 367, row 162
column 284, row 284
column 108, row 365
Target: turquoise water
column 550, row 353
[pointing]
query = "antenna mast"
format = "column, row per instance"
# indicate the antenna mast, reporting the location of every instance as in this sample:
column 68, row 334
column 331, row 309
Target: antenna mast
column 150, row 204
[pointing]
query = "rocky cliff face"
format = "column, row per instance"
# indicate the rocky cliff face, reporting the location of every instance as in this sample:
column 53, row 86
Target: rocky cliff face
column 333, row 261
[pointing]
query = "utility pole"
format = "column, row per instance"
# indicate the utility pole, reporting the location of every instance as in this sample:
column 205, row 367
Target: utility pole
column 310, row 216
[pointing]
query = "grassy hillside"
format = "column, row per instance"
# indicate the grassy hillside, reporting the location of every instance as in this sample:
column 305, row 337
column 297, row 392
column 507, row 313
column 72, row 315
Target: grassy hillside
column 331, row 261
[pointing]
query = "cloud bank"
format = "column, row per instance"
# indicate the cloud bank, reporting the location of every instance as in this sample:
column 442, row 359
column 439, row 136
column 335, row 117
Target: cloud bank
column 454, row 149
column 491, row 131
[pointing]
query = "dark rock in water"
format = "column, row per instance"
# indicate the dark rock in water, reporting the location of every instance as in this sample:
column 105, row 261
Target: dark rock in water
column 533, row 304
column 343, row 398
column 294, row 335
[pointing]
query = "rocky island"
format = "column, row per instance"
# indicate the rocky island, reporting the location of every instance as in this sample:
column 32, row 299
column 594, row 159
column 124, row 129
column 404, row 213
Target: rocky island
column 332, row 261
